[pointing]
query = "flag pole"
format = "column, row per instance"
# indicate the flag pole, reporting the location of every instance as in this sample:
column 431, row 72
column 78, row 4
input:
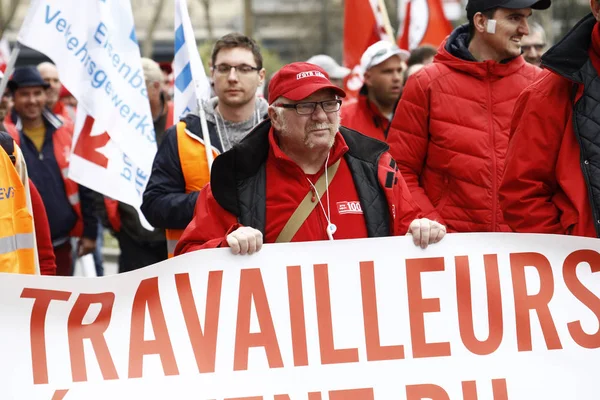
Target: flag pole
column 205, row 135
column 10, row 67
column 386, row 21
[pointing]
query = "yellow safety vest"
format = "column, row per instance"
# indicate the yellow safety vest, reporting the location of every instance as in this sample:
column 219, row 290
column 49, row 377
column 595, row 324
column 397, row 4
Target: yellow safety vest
column 17, row 234
column 194, row 165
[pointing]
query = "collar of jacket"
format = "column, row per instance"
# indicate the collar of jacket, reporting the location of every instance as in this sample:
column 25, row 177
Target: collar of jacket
column 454, row 52
column 48, row 116
column 245, row 159
column 570, row 54
column 378, row 118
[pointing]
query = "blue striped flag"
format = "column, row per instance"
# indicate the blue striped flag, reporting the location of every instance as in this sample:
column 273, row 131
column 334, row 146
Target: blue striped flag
column 191, row 83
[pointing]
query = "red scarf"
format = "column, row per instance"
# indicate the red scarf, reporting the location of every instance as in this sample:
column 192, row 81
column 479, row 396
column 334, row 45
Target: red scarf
column 594, row 51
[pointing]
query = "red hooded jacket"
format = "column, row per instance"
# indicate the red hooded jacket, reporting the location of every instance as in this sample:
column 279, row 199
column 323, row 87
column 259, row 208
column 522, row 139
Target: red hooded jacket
column 450, row 134
column 544, row 189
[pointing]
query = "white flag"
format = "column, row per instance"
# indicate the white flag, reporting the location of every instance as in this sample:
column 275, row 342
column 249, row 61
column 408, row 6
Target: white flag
column 191, row 83
column 93, row 44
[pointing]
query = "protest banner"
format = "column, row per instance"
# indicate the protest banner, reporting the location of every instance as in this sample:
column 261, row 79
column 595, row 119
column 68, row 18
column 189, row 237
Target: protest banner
column 475, row 317
column 94, row 47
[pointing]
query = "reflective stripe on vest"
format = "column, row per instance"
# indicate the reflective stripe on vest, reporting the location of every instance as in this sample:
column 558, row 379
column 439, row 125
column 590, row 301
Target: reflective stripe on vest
column 17, row 241
column 194, row 166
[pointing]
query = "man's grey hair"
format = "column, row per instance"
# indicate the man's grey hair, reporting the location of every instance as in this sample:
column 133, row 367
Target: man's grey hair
column 535, row 27
column 46, row 64
column 152, row 71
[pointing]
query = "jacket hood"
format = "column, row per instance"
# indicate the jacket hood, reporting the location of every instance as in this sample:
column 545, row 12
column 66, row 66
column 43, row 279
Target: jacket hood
column 570, row 54
column 210, row 105
column 231, row 133
column 454, row 52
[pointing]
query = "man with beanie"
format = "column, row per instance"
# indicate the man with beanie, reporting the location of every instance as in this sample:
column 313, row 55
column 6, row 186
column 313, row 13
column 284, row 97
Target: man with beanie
column 450, row 130
column 299, row 176
column 383, row 66
column 551, row 183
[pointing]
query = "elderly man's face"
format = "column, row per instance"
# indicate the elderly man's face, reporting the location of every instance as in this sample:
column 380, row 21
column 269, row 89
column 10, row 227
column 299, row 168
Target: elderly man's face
column 309, row 132
column 49, row 74
column 533, row 47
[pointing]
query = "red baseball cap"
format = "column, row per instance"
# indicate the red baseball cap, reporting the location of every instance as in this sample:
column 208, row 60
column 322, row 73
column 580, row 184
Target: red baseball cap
column 297, row 81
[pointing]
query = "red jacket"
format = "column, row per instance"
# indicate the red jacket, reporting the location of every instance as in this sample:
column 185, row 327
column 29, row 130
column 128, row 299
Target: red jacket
column 450, row 134
column 364, row 117
column 42, row 233
column 543, row 189
column 286, row 186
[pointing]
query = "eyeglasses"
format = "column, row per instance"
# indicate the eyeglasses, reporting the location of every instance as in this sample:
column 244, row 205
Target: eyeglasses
column 537, row 47
column 307, row 108
column 244, row 69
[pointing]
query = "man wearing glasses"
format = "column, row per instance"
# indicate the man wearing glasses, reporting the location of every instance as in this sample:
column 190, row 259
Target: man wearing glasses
column 180, row 168
column 299, row 176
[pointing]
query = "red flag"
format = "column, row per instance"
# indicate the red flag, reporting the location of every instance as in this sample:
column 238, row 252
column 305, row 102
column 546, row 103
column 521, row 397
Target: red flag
column 365, row 22
column 4, row 54
column 424, row 23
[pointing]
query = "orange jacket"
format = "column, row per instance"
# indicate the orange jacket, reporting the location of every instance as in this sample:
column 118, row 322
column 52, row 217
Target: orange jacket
column 17, row 240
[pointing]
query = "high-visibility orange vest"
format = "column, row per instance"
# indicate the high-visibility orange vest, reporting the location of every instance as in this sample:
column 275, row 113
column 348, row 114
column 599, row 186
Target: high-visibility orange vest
column 17, row 235
column 61, row 140
column 194, row 165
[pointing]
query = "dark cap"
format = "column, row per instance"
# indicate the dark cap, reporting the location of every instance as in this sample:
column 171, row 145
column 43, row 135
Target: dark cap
column 475, row 6
column 26, row 77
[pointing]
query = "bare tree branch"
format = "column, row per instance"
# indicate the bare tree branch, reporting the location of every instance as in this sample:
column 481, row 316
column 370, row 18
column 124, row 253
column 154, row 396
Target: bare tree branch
column 5, row 22
column 148, row 44
column 207, row 20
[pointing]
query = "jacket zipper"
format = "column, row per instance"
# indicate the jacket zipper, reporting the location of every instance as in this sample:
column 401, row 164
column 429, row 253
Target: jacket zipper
column 494, row 162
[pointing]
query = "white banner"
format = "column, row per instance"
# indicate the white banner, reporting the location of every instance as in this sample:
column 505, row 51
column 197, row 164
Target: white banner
column 93, row 44
column 477, row 316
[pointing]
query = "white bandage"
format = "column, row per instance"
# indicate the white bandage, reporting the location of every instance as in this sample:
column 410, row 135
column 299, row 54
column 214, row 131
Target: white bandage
column 491, row 26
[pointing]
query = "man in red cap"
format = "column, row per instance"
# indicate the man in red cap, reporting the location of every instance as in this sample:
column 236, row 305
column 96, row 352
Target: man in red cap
column 299, row 176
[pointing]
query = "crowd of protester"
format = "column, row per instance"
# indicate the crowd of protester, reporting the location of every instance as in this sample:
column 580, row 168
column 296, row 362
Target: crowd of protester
column 484, row 133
